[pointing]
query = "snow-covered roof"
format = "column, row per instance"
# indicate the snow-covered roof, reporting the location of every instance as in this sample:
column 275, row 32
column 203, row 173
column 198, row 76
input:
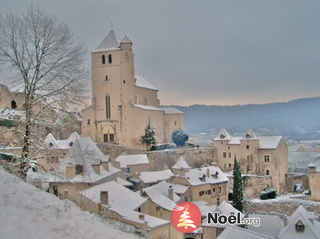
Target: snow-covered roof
column 269, row 142
column 205, row 175
column 181, row 163
column 223, row 135
column 110, row 42
column 241, row 233
column 43, row 215
column 154, row 176
column 143, row 83
column 148, row 107
column 126, row 40
column 204, row 207
column 118, row 195
column 124, row 182
column 227, row 209
column 250, row 135
column 136, row 159
column 179, row 189
column 159, row 194
column 85, row 152
column 171, row 110
column 315, row 164
column 269, row 224
column 53, row 143
column 311, row 225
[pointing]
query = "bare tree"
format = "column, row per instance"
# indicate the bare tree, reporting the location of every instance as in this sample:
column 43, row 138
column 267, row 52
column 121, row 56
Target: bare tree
column 44, row 61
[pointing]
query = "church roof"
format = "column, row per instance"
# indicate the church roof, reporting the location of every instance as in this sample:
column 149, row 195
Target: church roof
column 126, row 40
column 143, row 83
column 171, row 110
column 109, row 43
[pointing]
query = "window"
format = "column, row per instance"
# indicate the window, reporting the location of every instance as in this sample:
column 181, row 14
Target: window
column 88, row 122
column 247, row 147
column 266, row 158
column 108, row 138
column 209, row 192
column 107, row 77
column 79, row 169
column 110, row 59
column 201, row 193
column 299, row 226
column 128, row 170
column 229, row 165
column 218, row 201
column 145, row 100
column 224, row 154
column 175, row 122
column 13, row 104
column 267, row 172
column 108, row 110
column 103, row 59
column 229, row 155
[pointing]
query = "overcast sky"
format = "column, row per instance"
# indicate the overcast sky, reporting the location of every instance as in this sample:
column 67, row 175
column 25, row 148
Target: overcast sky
column 206, row 52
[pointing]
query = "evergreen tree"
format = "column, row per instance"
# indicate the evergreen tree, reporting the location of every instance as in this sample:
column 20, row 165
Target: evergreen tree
column 148, row 137
column 237, row 187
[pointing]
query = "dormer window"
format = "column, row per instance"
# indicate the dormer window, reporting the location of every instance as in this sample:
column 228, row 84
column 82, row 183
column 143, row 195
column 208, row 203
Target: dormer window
column 248, row 136
column 222, row 136
column 299, row 226
column 79, row 169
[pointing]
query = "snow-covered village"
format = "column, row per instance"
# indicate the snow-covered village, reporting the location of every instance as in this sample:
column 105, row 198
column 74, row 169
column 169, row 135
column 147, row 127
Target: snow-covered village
column 96, row 154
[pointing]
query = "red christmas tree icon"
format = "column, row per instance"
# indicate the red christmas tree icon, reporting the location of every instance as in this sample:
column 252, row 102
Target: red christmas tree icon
column 184, row 220
column 186, row 217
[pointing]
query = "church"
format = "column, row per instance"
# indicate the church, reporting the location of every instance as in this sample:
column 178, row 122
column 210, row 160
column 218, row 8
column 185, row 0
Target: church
column 123, row 104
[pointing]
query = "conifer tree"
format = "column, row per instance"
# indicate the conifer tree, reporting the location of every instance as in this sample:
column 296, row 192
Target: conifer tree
column 148, row 137
column 237, row 187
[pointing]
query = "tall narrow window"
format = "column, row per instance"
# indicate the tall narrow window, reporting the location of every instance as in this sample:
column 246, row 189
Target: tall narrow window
column 103, row 59
column 108, row 110
column 110, row 59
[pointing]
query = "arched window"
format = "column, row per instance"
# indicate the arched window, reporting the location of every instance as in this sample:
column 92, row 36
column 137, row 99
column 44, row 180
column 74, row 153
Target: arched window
column 103, row 59
column 108, row 107
column 110, row 58
column 13, row 104
column 267, row 172
column 88, row 123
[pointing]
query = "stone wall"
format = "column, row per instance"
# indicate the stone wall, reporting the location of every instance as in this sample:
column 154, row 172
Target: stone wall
column 293, row 178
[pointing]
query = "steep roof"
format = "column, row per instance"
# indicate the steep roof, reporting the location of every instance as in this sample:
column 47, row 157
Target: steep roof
column 85, row 152
column 53, row 143
column 110, row 42
column 181, row 163
column 136, row 159
column 223, row 135
column 160, row 196
column 144, row 83
column 250, row 135
column 315, row 164
column 126, row 40
column 312, row 226
column 270, row 225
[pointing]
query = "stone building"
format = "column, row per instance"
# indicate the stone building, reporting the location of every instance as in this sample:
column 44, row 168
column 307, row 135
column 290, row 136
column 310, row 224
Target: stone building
column 260, row 156
column 123, row 104
column 314, row 179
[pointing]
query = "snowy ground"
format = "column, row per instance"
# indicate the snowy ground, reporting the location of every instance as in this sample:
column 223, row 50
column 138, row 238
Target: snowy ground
column 26, row 212
column 300, row 198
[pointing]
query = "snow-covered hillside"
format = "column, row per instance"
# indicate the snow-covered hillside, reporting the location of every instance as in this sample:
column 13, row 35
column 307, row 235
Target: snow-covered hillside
column 26, row 212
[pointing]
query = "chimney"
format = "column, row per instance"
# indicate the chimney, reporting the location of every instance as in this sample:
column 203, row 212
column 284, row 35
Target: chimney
column 208, row 173
column 105, row 164
column 96, row 168
column 170, row 192
column 182, row 172
column 165, row 167
column 70, row 170
column 141, row 216
column 104, row 197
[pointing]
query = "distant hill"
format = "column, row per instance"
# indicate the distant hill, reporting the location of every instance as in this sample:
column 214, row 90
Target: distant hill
column 298, row 119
